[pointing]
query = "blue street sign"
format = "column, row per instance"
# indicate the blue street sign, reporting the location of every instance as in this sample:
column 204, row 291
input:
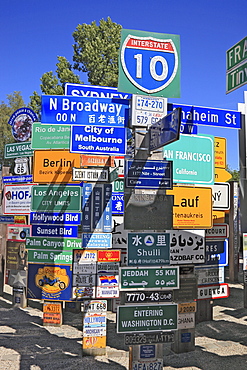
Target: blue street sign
column 50, row 230
column 150, row 174
column 218, row 259
column 76, row 110
column 15, row 179
column 55, row 218
column 166, row 130
column 188, row 128
column 208, row 116
column 92, row 91
column 98, row 140
column 7, row 219
column 97, row 240
column 117, row 203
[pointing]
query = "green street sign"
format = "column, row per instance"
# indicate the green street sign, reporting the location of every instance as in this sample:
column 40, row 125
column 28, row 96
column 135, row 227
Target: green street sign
column 118, row 185
column 237, row 54
column 47, row 256
column 149, row 278
column 193, row 159
column 18, row 150
column 60, row 244
column 56, row 198
column 148, row 249
column 236, row 65
column 236, row 78
column 146, row 318
column 50, row 136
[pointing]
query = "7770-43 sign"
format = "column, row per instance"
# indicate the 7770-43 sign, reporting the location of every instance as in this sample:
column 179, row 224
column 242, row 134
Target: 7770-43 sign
column 149, row 63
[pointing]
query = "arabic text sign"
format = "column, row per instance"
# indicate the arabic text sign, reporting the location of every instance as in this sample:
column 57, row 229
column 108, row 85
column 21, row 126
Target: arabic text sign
column 56, row 198
column 75, row 110
column 53, row 243
column 192, row 207
column 98, row 139
column 50, row 136
column 148, row 174
column 18, row 150
column 208, row 116
column 146, row 317
column 187, row 246
column 148, row 249
column 166, row 130
column 150, row 278
column 193, row 159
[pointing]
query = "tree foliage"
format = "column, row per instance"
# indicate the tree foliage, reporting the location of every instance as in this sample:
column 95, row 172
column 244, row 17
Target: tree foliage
column 15, row 101
column 235, row 174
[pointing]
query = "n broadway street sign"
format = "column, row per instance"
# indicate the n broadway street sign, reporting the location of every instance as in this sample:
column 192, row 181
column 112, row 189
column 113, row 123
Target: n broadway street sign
column 146, row 318
column 149, row 278
column 75, row 110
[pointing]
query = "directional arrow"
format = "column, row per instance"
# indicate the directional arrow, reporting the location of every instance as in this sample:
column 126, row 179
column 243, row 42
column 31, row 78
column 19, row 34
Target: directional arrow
column 221, row 175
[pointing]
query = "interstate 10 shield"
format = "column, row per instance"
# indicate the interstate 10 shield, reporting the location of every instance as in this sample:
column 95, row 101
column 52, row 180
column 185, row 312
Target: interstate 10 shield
column 149, row 63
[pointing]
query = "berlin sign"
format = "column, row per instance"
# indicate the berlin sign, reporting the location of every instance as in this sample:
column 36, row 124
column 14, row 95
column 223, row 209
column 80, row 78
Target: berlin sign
column 149, row 63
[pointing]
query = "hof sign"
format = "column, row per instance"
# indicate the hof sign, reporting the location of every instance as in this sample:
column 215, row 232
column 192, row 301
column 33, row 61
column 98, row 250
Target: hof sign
column 149, row 63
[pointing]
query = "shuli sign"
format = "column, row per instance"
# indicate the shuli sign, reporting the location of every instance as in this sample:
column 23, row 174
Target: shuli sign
column 149, row 63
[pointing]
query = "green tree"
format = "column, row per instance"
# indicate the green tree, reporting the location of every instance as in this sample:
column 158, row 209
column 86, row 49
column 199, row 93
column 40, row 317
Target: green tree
column 95, row 53
column 15, row 101
column 235, row 174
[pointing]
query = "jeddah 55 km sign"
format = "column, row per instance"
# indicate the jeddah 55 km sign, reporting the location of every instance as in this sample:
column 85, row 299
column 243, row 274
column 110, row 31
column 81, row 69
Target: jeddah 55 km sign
column 149, row 63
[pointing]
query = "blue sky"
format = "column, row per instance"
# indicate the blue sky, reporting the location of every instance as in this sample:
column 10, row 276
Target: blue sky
column 34, row 33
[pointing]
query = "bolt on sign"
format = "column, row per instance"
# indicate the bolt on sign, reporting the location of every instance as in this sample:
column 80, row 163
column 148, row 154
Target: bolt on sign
column 220, row 152
column 236, row 65
column 54, row 166
column 149, row 63
column 192, row 207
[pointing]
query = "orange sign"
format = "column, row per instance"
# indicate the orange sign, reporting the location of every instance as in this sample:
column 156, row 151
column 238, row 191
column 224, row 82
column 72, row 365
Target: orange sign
column 97, row 160
column 221, row 175
column 52, row 313
column 220, row 152
column 94, row 342
column 192, row 207
column 109, row 255
column 218, row 217
column 52, row 307
column 54, row 166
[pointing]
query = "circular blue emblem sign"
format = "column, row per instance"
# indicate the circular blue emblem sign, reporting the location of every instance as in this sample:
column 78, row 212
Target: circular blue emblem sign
column 21, row 122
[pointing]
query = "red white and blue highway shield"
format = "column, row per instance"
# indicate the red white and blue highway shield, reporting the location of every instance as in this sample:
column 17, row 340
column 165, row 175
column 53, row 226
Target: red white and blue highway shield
column 149, row 63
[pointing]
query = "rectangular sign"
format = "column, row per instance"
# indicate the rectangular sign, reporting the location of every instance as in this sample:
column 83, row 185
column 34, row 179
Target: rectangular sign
column 221, row 196
column 117, row 203
column 84, row 279
column 56, row 198
column 210, row 275
column 220, row 152
column 146, row 110
column 76, row 110
column 148, row 249
column 53, row 243
column 193, row 159
column 69, row 231
column 63, row 257
column 148, row 212
column 15, row 179
column 146, row 318
column 80, row 293
column 62, row 218
column 236, row 65
column 166, row 130
column 97, row 240
column 186, row 321
column 6, row 219
column 85, row 256
column 17, row 199
column 213, row 291
column 84, row 268
column 98, row 140
column 90, row 174
column 218, row 231
column 50, row 136
column 188, row 307
column 187, row 247
column 97, row 160
column 218, row 259
column 108, row 267
column 208, row 116
column 192, row 207
column 109, row 255
column 148, row 174
column 93, row 91
column 149, row 278
column 142, row 338
column 15, row 150
column 18, row 233
column 149, row 297
column 107, row 291
column 54, row 166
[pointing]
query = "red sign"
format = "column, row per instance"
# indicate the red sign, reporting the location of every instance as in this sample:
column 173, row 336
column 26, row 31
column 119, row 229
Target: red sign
column 97, row 160
column 213, row 291
column 109, row 255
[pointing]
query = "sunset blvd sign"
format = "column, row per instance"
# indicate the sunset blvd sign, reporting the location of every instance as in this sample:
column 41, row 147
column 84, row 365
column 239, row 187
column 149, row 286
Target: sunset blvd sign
column 150, row 278
column 149, row 63
column 146, row 318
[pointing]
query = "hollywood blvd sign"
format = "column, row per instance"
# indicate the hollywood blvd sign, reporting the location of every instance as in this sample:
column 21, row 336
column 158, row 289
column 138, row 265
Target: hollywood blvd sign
column 75, row 110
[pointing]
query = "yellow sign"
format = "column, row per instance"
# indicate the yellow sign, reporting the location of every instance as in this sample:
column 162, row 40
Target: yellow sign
column 189, row 307
column 218, row 217
column 220, row 152
column 54, row 166
column 221, row 175
column 192, row 207
column 94, row 342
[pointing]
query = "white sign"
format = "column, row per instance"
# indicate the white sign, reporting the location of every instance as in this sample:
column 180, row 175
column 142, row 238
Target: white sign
column 94, row 332
column 209, row 275
column 84, row 279
column 146, row 110
column 90, row 174
column 18, row 232
column 107, row 292
column 186, row 320
column 187, row 246
column 84, row 268
column 218, row 232
column 147, row 364
column 213, row 291
column 80, row 293
column 221, row 196
column 17, row 199
column 95, row 306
